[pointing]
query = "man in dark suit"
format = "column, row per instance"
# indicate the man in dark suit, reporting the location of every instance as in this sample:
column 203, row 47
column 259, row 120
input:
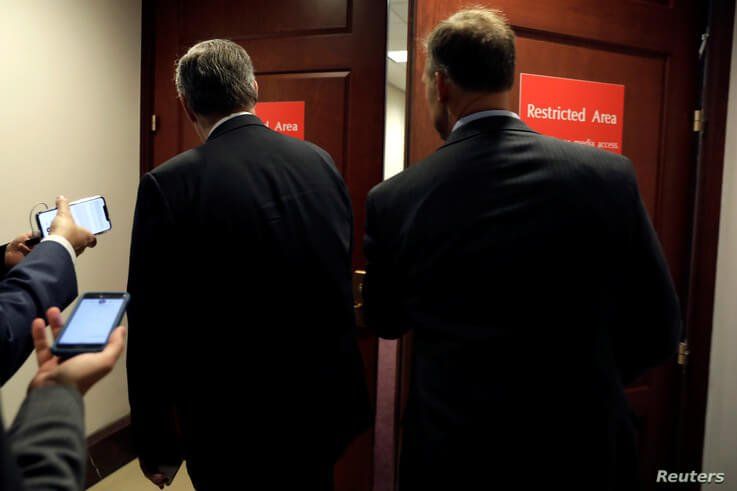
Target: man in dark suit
column 30, row 285
column 241, row 251
column 532, row 279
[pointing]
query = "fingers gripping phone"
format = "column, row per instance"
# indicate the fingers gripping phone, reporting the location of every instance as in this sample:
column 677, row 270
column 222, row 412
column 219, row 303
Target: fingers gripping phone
column 93, row 319
column 90, row 213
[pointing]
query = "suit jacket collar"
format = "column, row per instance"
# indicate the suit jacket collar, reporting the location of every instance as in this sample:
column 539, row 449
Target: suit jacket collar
column 491, row 124
column 232, row 124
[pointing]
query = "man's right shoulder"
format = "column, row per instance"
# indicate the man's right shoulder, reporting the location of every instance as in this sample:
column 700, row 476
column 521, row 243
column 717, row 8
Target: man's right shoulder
column 181, row 163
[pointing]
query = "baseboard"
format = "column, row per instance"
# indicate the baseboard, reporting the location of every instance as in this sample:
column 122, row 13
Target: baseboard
column 108, row 450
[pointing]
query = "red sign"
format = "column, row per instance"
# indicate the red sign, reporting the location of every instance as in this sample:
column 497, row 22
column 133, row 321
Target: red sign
column 285, row 117
column 581, row 111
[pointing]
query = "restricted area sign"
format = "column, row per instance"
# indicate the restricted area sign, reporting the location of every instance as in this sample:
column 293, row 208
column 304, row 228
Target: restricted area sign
column 285, row 117
column 581, row 111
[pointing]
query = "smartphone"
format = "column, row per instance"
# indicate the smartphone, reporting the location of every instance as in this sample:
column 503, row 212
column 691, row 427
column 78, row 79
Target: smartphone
column 90, row 213
column 94, row 317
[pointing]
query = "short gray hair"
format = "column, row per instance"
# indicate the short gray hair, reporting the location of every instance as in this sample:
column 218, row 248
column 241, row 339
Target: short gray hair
column 216, row 77
column 475, row 49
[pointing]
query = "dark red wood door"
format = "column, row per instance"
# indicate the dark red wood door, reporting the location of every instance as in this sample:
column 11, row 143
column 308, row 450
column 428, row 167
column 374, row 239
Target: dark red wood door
column 327, row 53
column 651, row 47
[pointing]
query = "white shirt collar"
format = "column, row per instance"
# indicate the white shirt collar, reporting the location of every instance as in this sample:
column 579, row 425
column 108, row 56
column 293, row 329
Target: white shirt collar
column 226, row 118
column 483, row 114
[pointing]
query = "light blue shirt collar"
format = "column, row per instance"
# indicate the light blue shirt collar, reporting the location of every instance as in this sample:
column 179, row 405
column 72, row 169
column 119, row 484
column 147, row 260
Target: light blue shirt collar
column 483, row 114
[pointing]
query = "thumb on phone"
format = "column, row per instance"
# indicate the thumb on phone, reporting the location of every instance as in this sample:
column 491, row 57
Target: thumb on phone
column 62, row 206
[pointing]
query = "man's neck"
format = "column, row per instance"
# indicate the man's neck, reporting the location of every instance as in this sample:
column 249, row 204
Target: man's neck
column 205, row 124
column 475, row 103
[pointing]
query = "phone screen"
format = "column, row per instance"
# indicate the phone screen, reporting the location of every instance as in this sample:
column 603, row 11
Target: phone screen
column 92, row 321
column 88, row 213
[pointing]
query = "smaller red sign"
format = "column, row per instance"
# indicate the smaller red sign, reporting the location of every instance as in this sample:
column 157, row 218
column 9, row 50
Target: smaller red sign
column 285, row 117
column 581, row 111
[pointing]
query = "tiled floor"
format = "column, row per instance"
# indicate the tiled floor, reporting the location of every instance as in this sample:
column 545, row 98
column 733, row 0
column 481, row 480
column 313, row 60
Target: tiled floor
column 130, row 478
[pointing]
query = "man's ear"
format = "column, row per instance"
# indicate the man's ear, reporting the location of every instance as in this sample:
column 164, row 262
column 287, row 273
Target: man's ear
column 442, row 88
column 190, row 113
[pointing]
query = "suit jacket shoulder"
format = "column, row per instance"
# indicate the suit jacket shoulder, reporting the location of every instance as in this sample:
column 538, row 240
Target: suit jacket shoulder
column 504, row 141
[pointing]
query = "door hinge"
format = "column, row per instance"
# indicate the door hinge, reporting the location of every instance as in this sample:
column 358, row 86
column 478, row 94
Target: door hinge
column 153, row 123
column 358, row 276
column 698, row 121
column 683, row 353
column 704, row 44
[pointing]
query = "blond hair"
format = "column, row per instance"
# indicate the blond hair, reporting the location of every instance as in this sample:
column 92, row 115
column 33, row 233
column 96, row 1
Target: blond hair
column 475, row 48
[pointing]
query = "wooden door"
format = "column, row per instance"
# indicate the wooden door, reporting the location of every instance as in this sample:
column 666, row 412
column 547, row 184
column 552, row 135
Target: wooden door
column 651, row 47
column 329, row 54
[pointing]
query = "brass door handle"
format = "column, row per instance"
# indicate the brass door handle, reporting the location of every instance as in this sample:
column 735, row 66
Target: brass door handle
column 358, row 277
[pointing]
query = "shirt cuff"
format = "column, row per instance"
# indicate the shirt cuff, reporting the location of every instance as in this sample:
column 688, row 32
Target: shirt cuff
column 64, row 242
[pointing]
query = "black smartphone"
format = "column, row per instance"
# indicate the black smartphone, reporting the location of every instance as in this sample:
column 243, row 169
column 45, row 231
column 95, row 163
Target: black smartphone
column 90, row 213
column 34, row 240
column 93, row 319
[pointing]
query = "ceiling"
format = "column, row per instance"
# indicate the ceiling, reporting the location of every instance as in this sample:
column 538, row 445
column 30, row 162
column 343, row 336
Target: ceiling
column 396, row 73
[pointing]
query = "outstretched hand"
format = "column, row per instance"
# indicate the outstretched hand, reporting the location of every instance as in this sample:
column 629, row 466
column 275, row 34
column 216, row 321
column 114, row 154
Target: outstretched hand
column 81, row 371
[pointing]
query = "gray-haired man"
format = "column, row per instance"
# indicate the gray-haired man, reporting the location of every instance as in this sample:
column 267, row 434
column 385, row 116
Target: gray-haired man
column 241, row 252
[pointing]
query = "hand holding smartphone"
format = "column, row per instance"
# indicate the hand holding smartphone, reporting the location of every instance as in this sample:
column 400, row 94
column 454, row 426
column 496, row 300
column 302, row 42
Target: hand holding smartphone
column 79, row 372
column 90, row 213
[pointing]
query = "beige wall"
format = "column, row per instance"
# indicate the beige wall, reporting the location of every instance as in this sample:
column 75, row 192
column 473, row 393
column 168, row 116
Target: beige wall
column 394, row 132
column 69, row 96
column 720, row 446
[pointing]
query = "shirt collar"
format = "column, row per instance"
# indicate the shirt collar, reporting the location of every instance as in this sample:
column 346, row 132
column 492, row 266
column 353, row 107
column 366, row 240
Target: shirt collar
column 483, row 114
column 226, row 118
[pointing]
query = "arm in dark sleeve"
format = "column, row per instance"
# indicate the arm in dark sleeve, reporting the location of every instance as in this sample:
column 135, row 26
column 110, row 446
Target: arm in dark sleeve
column 149, row 316
column 382, row 294
column 650, row 323
column 44, row 279
column 45, row 447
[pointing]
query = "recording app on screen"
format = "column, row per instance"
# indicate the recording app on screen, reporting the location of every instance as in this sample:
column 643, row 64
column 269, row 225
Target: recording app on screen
column 92, row 321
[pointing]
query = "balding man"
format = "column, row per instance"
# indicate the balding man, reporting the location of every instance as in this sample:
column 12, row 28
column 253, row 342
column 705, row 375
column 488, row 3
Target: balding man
column 241, row 253
column 532, row 279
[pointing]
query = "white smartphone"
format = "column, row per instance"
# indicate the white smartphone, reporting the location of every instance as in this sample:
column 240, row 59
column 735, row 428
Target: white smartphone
column 90, row 213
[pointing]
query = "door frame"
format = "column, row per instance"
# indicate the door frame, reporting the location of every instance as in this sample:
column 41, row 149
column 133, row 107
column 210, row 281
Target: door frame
column 706, row 206
column 148, row 47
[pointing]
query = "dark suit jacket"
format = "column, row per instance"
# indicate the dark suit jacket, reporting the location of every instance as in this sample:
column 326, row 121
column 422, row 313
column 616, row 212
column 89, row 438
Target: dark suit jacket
column 44, row 279
column 536, row 288
column 241, row 315
column 45, row 446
